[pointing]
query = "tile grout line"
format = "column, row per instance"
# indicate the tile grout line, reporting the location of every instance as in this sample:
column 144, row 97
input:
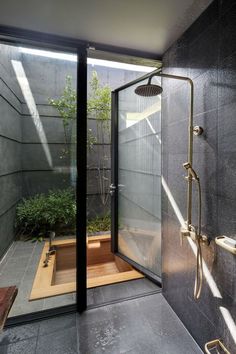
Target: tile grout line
column 11, row 248
column 28, row 263
column 26, row 269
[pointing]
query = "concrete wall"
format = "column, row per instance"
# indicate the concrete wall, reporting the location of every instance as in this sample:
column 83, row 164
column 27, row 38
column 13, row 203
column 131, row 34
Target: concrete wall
column 207, row 54
column 32, row 135
column 38, row 176
column 43, row 162
column 10, row 145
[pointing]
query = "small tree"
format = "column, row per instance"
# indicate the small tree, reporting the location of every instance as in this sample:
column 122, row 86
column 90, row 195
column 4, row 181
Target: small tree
column 99, row 102
column 67, row 108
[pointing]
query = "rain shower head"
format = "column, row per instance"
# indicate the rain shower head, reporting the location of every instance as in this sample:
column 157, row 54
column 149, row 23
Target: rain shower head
column 148, row 90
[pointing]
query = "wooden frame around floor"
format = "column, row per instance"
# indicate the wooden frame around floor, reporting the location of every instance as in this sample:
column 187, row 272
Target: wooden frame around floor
column 103, row 268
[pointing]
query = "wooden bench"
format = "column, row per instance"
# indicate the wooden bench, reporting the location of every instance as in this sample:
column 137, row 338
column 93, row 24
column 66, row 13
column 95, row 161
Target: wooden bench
column 7, row 297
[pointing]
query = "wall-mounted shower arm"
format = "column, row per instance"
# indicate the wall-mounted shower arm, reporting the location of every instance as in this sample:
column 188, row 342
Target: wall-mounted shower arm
column 170, row 76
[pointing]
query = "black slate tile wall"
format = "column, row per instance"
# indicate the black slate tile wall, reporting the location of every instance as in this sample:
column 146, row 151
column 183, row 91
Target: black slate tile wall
column 207, row 54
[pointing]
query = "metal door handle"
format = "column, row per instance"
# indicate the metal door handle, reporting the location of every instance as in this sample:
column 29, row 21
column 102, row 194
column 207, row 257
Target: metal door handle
column 112, row 189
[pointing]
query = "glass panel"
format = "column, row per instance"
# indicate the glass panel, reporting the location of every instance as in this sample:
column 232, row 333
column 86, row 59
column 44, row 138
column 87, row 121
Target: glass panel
column 139, row 176
column 103, row 77
column 38, row 176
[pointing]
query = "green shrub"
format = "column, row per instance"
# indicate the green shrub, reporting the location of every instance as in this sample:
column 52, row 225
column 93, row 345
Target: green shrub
column 38, row 215
column 99, row 224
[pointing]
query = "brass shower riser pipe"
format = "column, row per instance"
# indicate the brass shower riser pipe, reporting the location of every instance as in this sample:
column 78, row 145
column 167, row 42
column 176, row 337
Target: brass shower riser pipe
column 190, row 140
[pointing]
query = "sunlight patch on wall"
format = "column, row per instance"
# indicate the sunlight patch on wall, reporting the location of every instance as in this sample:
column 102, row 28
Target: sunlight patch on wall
column 229, row 322
column 29, row 99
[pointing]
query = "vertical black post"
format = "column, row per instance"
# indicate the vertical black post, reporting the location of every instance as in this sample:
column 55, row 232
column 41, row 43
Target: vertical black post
column 114, row 172
column 81, row 259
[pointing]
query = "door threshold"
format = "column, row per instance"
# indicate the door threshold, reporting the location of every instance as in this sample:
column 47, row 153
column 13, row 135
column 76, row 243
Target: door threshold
column 128, row 298
column 40, row 315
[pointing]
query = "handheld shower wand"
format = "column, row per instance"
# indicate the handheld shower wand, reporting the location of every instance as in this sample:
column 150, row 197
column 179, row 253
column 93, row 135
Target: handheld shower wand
column 198, row 236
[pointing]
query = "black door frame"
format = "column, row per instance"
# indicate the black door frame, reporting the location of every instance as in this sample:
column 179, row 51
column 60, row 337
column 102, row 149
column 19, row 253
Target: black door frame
column 39, row 40
column 115, row 180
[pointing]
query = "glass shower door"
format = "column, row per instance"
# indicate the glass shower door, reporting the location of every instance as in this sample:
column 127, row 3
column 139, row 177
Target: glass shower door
column 136, row 179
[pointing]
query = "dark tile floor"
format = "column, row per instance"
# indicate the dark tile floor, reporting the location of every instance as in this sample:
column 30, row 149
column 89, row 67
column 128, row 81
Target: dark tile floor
column 144, row 325
column 19, row 267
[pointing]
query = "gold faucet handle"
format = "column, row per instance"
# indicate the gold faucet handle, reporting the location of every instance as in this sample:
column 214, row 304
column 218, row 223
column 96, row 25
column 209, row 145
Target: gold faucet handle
column 184, row 232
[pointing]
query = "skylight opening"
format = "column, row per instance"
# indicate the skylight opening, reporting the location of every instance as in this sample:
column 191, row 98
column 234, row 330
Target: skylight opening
column 91, row 61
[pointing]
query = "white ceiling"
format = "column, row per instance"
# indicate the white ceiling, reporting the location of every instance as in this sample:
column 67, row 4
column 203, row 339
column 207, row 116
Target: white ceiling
column 149, row 26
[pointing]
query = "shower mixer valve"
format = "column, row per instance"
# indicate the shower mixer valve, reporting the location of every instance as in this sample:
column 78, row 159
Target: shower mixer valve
column 185, row 232
column 192, row 233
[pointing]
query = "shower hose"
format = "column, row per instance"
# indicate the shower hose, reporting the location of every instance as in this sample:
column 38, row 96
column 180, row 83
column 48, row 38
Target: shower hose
column 199, row 267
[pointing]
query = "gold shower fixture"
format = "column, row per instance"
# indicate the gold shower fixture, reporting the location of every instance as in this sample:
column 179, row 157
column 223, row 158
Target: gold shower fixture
column 189, row 230
column 216, row 345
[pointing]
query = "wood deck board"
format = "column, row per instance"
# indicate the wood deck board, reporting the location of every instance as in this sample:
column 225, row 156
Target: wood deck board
column 113, row 278
column 7, row 298
column 65, row 276
column 101, row 269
